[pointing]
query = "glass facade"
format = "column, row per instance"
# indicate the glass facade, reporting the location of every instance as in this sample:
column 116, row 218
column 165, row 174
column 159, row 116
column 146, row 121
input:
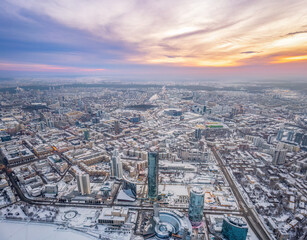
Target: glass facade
column 86, row 135
column 234, row 228
column 130, row 189
column 153, row 175
column 280, row 134
column 196, row 206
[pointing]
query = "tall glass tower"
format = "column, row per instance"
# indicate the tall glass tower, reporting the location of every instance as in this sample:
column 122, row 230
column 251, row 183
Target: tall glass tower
column 153, row 165
column 234, row 228
column 196, row 206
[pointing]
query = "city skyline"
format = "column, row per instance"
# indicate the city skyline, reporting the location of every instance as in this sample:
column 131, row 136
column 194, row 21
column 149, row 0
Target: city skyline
column 186, row 40
column 134, row 120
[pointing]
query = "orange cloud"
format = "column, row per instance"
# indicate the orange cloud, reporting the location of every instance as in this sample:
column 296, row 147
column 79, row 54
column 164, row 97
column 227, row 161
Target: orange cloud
column 288, row 59
column 187, row 33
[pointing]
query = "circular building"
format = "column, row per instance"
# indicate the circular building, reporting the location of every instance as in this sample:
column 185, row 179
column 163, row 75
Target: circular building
column 196, row 206
column 172, row 223
column 234, row 228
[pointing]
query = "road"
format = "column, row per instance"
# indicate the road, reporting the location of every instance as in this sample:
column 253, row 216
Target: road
column 86, row 205
column 249, row 213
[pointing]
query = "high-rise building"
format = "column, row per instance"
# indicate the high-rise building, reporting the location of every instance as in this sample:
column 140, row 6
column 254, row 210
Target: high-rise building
column 196, row 206
column 116, row 165
column 270, row 139
column 198, row 133
column 280, row 134
column 279, row 157
column 258, row 141
column 86, row 135
column 49, row 123
column 304, row 141
column 234, row 228
column 153, row 166
column 83, row 182
column 290, row 135
column 42, row 125
column 298, row 137
column 116, row 127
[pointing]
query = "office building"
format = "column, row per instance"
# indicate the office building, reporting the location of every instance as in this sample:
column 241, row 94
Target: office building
column 258, row 142
column 83, row 182
column 234, row 228
column 298, row 137
column 117, row 127
column 198, row 133
column 279, row 157
column 196, row 206
column 116, row 166
column 270, row 139
column 153, row 165
column 290, row 135
column 280, row 134
column 86, row 135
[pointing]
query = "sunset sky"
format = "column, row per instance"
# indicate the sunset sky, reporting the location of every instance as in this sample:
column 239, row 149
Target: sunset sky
column 154, row 39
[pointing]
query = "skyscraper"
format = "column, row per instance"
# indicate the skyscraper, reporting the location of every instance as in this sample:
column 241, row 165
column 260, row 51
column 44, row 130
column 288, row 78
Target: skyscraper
column 86, row 135
column 116, row 165
column 196, row 206
column 198, row 133
column 298, row 137
column 116, row 127
column 290, row 135
column 279, row 157
column 280, row 134
column 234, row 228
column 83, row 182
column 153, row 166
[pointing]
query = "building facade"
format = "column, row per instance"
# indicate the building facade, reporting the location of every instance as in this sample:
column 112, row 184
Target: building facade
column 153, row 166
column 196, row 206
column 279, row 157
column 116, row 166
column 83, row 182
column 234, row 228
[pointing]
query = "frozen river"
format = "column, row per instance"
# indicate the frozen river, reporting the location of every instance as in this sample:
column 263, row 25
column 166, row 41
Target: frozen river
column 33, row 231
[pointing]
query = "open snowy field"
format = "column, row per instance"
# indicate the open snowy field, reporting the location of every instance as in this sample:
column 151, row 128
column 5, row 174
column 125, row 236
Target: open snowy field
column 35, row 231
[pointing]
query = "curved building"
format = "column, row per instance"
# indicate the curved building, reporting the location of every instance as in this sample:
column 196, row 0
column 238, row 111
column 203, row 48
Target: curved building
column 128, row 192
column 129, row 188
column 234, row 228
column 196, row 206
column 172, row 223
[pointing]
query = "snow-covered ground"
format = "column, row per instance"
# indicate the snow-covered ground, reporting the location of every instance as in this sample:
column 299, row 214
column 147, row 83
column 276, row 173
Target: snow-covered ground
column 13, row 230
column 64, row 223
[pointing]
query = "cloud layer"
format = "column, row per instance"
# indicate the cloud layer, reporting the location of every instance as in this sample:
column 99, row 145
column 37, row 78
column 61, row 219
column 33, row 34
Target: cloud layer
column 116, row 35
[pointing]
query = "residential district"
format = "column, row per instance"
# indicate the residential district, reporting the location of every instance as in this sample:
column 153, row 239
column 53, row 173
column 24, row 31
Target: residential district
column 153, row 162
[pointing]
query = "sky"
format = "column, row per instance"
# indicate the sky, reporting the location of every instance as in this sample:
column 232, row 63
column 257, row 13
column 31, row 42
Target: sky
column 154, row 40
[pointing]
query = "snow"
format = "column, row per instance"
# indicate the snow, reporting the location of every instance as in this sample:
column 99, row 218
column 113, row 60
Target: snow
column 21, row 231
